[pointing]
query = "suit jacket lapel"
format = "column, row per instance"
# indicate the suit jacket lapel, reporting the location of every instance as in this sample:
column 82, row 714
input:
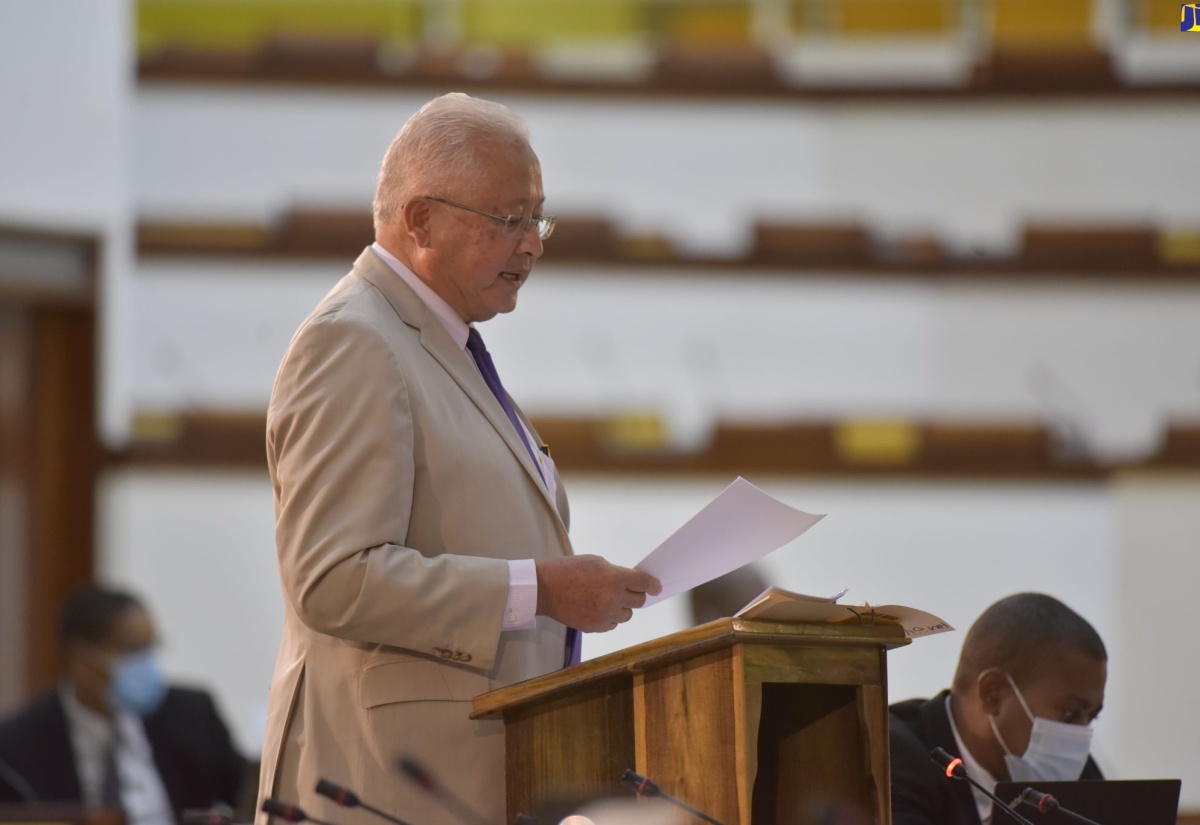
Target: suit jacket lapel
column 456, row 362
column 63, row 782
column 935, row 715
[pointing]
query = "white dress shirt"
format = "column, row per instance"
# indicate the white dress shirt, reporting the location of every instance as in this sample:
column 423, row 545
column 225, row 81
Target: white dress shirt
column 976, row 771
column 521, row 608
column 143, row 796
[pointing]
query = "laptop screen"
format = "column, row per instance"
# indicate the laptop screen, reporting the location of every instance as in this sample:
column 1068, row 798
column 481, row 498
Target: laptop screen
column 1112, row 802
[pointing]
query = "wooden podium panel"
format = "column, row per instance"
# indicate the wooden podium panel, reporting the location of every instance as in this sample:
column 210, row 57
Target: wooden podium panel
column 748, row 721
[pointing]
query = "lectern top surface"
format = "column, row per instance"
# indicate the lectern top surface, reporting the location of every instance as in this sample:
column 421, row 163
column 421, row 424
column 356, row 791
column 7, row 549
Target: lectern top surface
column 692, row 642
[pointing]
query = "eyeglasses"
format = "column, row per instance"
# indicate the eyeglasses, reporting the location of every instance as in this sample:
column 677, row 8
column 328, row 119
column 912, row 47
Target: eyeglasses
column 514, row 225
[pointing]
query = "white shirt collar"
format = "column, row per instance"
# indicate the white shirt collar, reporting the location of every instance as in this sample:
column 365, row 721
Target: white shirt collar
column 450, row 319
column 143, row 795
column 89, row 723
column 975, row 770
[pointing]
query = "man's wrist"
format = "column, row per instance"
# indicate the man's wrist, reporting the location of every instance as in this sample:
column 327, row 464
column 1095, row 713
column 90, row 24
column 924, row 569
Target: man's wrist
column 521, row 607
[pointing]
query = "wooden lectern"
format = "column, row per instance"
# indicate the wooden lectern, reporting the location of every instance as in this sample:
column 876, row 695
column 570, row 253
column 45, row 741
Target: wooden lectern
column 748, row 721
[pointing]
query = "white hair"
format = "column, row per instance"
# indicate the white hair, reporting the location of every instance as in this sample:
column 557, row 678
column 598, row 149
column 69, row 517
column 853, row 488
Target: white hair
column 439, row 146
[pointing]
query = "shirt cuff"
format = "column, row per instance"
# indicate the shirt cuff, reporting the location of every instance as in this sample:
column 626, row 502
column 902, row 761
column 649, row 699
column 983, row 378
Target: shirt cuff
column 521, row 608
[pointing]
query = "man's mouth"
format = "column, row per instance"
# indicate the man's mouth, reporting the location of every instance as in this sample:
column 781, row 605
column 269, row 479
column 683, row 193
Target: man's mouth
column 515, row 277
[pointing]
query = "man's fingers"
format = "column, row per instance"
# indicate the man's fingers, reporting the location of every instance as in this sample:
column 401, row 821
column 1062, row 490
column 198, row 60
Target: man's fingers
column 640, row 582
column 636, row 599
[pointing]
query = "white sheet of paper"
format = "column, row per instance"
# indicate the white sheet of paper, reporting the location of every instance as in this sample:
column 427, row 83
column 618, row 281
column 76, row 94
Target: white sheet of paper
column 740, row 525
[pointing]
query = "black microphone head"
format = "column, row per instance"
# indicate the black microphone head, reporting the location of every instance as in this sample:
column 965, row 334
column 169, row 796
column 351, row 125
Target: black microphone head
column 342, row 796
column 644, row 785
column 1044, row 802
column 285, row 811
column 417, row 773
column 952, row 765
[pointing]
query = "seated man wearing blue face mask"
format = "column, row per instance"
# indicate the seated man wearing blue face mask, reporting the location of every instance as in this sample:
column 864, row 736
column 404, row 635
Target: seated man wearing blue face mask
column 1030, row 681
column 113, row 734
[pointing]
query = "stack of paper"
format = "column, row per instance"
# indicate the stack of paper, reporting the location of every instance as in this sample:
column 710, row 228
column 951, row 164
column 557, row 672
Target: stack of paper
column 778, row 605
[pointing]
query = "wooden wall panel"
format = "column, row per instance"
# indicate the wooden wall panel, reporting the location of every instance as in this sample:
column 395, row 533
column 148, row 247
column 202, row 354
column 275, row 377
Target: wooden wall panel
column 49, row 451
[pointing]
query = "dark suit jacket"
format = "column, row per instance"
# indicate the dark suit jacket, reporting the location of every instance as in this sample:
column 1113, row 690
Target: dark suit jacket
column 192, row 750
column 921, row 792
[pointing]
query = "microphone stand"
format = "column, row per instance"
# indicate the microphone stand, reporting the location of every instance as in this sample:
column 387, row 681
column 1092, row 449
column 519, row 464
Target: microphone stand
column 348, row 799
column 1045, row 803
column 423, row 779
column 954, row 769
column 288, row 812
column 648, row 787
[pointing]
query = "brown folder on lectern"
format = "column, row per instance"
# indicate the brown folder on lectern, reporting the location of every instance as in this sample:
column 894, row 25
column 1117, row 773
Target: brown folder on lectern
column 751, row 722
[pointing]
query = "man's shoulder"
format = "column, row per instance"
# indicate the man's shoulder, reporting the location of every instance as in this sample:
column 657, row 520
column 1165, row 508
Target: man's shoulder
column 355, row 312
column 33, row 720
column 921, row 793
column 918, row 726
column 188, row 698
column 186, row 714
column 910, row 710
column 353, row 299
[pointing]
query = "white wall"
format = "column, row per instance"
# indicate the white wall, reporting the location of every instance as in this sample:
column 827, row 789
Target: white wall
column 66, row 90
column 1157, row 520
column 1118, row 361
column 700, row 170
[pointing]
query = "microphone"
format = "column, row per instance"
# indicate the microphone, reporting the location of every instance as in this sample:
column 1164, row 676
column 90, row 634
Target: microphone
column 644, row 786
column 1045, row 803
column 953, row 766
column 288, row 812
column 424, row 780
column 348, row 799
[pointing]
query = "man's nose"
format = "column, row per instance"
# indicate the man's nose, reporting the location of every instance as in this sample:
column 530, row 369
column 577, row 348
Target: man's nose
column 531, row 242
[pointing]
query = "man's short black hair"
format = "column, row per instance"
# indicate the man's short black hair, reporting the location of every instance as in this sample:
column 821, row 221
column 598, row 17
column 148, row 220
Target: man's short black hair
column 1020, row 635
column 90, row 614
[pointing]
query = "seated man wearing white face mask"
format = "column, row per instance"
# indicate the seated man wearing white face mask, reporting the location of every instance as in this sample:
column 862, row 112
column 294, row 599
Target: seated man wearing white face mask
column 1030, row 681
column 113, row 734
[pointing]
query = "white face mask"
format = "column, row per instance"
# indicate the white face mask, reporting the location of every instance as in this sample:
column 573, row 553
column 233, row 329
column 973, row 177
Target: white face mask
column 1057, row 751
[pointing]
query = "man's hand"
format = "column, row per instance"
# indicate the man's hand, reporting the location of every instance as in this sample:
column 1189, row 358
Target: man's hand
column 589, row 594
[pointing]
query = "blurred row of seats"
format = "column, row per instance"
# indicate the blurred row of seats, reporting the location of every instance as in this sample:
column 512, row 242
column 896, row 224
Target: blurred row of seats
column 1045, row 248
column 642, row 442
column 526, row 24
column 734, row 46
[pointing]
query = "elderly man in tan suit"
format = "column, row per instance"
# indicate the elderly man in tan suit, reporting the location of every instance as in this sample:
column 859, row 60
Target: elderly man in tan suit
column 421, row 526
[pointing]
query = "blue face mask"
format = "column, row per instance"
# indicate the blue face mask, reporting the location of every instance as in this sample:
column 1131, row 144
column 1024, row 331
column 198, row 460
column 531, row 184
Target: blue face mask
column 137, row 683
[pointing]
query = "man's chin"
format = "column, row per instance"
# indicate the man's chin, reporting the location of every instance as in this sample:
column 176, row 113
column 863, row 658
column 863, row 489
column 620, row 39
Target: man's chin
column 487, row 313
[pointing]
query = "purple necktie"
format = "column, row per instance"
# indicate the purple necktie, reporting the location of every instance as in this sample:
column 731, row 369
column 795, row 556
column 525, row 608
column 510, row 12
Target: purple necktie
column 483, row 360
column 574, row 646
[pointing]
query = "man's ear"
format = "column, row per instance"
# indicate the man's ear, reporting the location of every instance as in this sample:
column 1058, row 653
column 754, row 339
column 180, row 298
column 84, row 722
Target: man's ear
column 993, row 689
column 416, row 221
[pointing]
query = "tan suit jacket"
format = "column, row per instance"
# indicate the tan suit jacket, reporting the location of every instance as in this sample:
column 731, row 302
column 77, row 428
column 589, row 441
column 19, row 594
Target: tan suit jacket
column 400, row 490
